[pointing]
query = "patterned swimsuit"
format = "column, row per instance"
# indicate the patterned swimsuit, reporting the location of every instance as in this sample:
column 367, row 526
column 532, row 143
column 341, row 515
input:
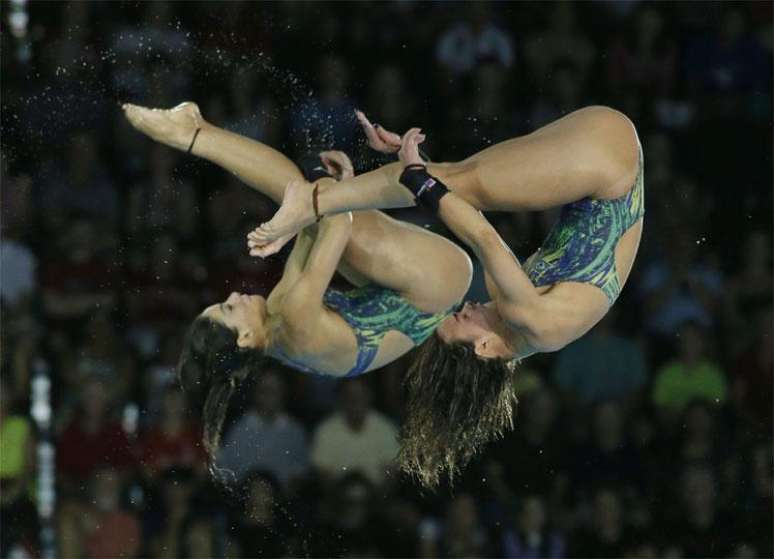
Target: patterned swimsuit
column 581, row 245
column 372, row 311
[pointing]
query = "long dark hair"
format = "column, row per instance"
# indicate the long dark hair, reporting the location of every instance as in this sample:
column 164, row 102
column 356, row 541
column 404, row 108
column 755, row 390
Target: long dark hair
column 210, row 368
column 457, row 402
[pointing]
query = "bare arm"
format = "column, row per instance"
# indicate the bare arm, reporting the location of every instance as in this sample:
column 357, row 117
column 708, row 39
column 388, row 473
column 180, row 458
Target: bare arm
column 332, row 238
column 512, row 286
column 294, row 266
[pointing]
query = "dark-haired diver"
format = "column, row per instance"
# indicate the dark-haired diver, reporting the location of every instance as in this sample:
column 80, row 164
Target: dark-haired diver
column 589, row 163
column 408, row 282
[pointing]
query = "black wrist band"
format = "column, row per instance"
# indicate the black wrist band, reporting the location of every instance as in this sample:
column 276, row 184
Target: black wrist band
column 312, row 167
column 427, row 189
column 193, row 141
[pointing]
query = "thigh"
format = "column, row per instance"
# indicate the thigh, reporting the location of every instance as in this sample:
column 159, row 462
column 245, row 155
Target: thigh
column 430, row 271
column 590, row 152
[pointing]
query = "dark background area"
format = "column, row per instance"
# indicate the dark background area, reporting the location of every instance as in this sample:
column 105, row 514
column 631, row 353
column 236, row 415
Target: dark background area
column 651, row 436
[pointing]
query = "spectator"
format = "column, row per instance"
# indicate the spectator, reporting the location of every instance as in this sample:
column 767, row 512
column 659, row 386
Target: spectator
column 749, row 290
column 608, row 459
column 17, row 468
column 396, row 528
column 82, row 185
column 531, row 537
column 679, row 288
column 108, row 530
column 566, row 93
column 326, row 121
column 562, row 40
column 600, row 366
column 173, row 442
column 528, row 460
column 728, row 63
column 699, row 528
column 18, row 267
column 92, row 439
column 355, row 438
column 643, row 60
column 345, row 520
column 606, row 535
column 692, row 375
column 258, row 530
column 175, row 525
column 473, row 40
column 77, row 278
column 266, row 438
column 460, row 535
column 700, row 441
column 162, row 202
column 751, row 376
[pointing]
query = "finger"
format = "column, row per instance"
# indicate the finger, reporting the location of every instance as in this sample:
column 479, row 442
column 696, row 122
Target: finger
column 342, row 160
column 389, row 138
column 368, row 128
column 362, row 118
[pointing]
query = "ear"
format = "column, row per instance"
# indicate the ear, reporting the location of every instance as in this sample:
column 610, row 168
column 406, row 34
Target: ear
column 484, row 346
column 490, row 346
column 246, row 338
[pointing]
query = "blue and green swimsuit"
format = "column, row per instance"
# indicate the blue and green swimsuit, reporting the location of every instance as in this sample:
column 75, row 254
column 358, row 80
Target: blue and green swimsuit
column 372, row 311
column 581, row 245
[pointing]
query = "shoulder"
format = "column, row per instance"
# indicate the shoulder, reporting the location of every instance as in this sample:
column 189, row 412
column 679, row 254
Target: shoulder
column 554, row 319
column 536, row 330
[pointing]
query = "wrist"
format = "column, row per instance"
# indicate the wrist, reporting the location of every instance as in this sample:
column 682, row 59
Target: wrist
column 427, row 189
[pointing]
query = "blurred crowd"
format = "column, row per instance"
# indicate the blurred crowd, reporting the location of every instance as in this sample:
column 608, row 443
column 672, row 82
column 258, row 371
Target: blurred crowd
column 650, row 436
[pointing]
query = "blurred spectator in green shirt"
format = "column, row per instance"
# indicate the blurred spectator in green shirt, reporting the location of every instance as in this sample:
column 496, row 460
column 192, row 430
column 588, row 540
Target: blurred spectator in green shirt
column 692, row 376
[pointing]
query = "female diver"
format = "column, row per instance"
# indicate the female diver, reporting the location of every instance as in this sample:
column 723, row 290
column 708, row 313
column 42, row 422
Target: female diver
column 408, row 281
column 588, row 162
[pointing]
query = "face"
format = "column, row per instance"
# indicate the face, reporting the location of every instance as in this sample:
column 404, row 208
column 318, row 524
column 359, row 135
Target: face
column 475, row 324
column 245, row 315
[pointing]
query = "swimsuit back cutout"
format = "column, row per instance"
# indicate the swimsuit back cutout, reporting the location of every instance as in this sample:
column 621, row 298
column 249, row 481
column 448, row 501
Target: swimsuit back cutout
column 581, row 245
column 372, row 311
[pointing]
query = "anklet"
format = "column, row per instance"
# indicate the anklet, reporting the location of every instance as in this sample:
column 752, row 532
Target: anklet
column 314, row 202
column 196, row 134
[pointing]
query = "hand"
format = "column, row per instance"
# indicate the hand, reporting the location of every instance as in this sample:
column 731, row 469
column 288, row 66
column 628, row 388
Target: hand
column 338, row 164
column 379, row 139
column 409, row 149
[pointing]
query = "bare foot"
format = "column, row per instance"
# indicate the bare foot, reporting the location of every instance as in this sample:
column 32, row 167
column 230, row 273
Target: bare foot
column 262, row 250
column 173, row 127
column 295, row 213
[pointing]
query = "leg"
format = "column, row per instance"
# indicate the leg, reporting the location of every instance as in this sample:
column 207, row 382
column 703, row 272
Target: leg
column 260, row 166
column 591, row 152
column 432, row 272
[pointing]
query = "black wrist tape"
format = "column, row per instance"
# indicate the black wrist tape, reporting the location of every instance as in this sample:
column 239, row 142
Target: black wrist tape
column 312, row 167
column 427, row 189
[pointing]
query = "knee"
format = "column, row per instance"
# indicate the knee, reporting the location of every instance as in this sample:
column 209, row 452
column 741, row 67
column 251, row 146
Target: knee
column 461, row 178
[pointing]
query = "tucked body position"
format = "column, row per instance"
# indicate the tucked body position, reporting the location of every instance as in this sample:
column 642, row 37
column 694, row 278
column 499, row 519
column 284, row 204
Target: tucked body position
column 589, row 163
column 407, row 282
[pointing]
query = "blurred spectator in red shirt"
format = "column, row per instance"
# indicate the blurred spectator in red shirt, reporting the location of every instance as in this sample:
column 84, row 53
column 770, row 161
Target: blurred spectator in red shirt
column 77, row 277
column 175, row 441
column 92, row 439
column 109, row 530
